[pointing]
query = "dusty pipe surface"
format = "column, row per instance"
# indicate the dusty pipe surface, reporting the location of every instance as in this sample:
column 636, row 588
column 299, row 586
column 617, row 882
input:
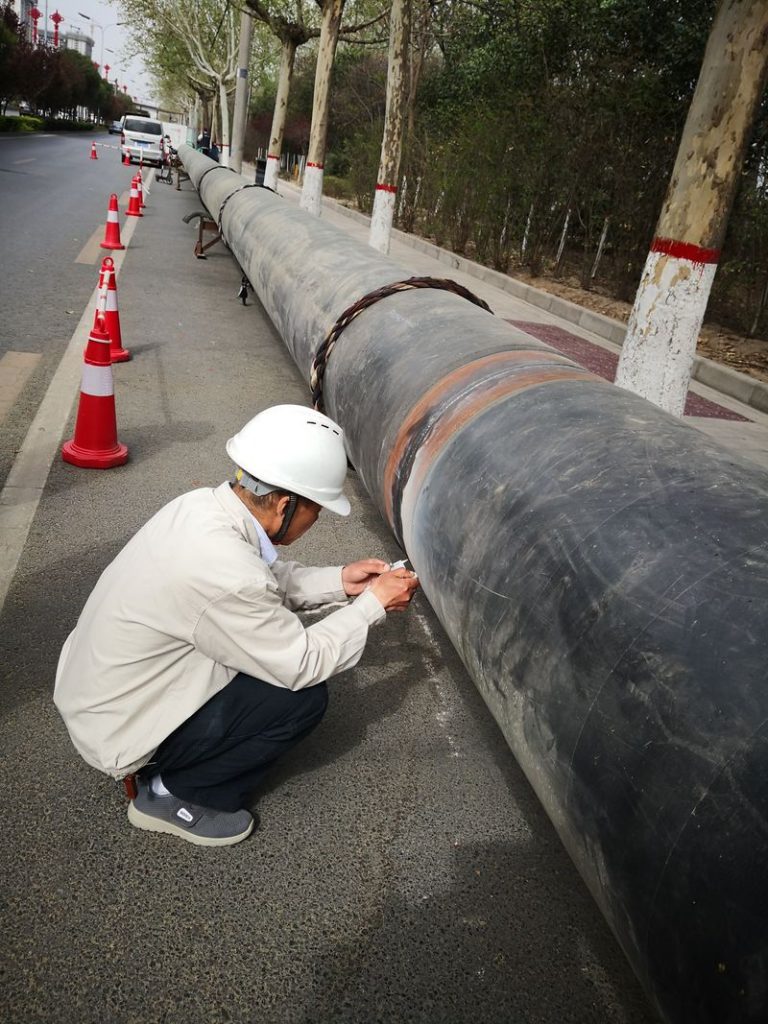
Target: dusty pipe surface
column 602, row 569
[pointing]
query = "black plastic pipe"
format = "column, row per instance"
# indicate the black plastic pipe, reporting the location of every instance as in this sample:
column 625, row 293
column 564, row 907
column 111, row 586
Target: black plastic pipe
column 602, row 569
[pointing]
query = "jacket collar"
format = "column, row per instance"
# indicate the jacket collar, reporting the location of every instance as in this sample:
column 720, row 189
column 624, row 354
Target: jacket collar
column 243, row 519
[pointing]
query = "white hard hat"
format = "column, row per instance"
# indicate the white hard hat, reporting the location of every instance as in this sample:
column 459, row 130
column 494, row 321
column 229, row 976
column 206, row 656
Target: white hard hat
column 296, row 449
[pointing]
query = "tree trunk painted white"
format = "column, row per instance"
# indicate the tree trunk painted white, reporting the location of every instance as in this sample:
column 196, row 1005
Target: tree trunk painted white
column 671, row 301
column 312, row 192
column 240, row 117
column 663, row 327
column 381, row 218
column 392, row 140
column 274, row 153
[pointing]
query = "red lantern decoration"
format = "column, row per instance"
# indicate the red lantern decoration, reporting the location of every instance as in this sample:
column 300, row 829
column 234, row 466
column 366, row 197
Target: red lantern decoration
column 57, row 19
column 35, row 15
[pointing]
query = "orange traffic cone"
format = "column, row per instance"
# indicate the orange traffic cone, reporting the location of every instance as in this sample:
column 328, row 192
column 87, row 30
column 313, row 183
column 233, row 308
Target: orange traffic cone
column 112, row 231
column 95, row 444
column 134, row 210
column 126, row 159
column 94, row 154
column 107, row 308
column 140, row 187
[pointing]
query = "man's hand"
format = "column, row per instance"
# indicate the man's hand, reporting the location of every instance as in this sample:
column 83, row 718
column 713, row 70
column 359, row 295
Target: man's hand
column 395, row 589
column 358, row 575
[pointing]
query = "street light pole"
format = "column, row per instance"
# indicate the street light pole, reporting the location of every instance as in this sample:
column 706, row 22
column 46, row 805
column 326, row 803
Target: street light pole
column 102, row 29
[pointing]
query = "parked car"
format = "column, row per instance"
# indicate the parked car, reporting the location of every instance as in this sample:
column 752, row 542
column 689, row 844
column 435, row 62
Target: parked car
column 116, row 128
column 142, row 139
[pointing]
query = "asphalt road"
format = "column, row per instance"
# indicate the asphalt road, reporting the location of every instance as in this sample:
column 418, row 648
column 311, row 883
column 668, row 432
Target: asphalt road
column 53, row 198
column 403, row 869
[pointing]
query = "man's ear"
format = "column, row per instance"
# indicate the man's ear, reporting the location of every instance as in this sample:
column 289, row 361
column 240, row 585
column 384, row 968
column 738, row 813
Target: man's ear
column 282, row 503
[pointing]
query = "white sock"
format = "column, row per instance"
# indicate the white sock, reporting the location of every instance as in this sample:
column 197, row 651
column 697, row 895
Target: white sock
column 157, row 786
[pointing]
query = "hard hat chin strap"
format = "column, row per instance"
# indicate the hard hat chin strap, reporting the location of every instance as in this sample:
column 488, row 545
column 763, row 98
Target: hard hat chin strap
column 293, row 501
column 261, row 489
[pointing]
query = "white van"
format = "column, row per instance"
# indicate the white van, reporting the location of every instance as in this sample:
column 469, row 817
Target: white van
column 142, row 139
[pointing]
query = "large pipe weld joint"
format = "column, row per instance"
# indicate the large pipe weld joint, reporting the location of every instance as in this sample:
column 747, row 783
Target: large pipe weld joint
column 601, row 568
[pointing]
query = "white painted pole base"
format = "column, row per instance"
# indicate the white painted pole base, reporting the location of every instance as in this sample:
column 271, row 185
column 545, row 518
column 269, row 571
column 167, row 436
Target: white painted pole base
column 381, row 218
column 270, row 174
column 224, row 155
column 312, row 193
column 657, row 356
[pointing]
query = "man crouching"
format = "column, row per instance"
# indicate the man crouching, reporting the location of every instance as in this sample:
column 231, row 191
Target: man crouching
column 188, row 666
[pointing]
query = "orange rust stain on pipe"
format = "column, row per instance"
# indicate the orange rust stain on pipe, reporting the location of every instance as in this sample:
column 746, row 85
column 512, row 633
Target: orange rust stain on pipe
column 470, row 406
column 455, row 378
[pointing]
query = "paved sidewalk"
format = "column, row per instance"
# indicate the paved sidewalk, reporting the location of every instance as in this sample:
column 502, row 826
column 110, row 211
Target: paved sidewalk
column 740, row 427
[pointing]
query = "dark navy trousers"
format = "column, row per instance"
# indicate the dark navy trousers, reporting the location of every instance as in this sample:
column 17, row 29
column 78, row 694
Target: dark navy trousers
column 219, row 755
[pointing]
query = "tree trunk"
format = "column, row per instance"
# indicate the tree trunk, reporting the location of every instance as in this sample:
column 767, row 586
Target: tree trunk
column 561, row 246
column 312, row 192
column 669, row 307
column 524, row 243
column 274, row 153
column 214, row 120
column 392, row 141
column 422, row 40
column 240, row 118
column 224, row 145
column 600, row 247
column 759, row 311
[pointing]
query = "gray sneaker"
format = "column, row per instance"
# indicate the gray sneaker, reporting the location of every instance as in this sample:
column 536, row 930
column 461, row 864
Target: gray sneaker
column 200, row 825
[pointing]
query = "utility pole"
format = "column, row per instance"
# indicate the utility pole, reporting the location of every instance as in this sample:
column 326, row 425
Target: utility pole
column 240, row 116
column 663, row 329
column 392, row 140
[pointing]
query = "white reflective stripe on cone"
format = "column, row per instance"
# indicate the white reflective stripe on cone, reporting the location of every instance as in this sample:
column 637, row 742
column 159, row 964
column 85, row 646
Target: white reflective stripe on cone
column 112, row 300
column 97, row 381
column 112, row 215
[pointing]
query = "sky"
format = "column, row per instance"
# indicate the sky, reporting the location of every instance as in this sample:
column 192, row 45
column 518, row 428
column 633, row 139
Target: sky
column 132, row 73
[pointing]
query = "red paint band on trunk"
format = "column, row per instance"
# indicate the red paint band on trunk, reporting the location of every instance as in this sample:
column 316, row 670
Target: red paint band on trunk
column 386, row 188
column 271, row 156
column 685, row 250
column 310, row 164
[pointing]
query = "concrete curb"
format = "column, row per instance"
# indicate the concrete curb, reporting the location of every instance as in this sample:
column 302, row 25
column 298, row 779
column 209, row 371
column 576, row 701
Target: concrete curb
column 721, row 378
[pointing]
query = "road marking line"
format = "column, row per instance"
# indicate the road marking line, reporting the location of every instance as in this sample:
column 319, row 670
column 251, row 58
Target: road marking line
column 90, row 251
column 15, row 368
column 26, row 481
column 26, row 160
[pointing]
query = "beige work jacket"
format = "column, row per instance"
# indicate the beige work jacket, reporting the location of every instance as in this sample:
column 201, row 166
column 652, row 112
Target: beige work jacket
column 186, row 605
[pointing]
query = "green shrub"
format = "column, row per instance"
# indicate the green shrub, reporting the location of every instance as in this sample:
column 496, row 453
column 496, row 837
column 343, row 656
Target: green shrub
column 337, row 188
column 20, row 124
column 64, row 124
